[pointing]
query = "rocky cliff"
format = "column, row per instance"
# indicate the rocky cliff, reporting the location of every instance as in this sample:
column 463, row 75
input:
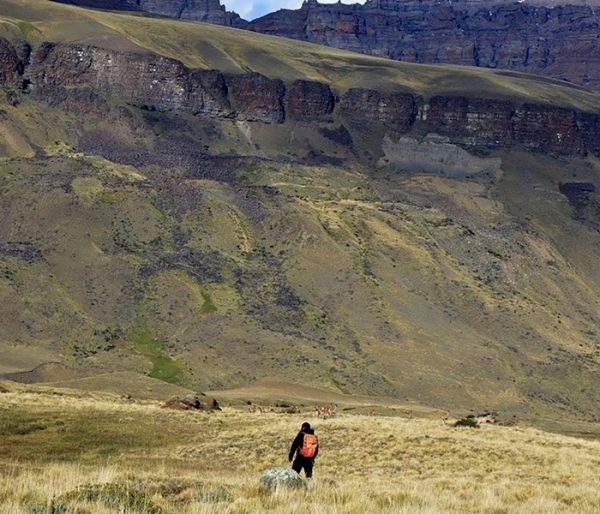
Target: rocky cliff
column 559, row 41
column 210, row 11
column 555, row 39
column 77, row 75
column 214, row 227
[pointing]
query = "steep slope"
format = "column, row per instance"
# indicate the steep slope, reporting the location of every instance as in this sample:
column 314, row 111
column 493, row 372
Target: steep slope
column 213, row 227
column 559, row 40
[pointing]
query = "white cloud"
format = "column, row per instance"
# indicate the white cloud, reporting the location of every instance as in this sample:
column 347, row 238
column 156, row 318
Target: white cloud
column 251, row 9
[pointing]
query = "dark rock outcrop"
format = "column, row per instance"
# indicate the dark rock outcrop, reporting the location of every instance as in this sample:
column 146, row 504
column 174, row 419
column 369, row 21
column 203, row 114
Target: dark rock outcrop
column 578, row 193
column 82, row 78
column 589, row 128
column 257, row 98
column 500, row 124
column 584, row 200
column 210, row 11
column 393, row 110
column 474, row 122
column 144, row 80
column 308, row 100
column 10, row 64
column 340, row 135
column 547, row 129
column 558, row 41
column 192, row 402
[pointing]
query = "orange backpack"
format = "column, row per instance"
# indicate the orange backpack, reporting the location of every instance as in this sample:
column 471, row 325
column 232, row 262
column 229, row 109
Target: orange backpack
column 309, row 446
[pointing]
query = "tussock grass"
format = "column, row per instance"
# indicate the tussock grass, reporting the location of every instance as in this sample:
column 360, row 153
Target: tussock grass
column 210, row 463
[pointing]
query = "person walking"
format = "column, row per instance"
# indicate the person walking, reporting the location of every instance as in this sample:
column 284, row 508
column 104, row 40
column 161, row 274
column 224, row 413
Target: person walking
column 306, row 448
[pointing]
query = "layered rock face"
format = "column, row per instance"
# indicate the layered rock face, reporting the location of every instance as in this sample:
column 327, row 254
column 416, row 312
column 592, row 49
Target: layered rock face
column 395, row 110
column 258, row 98
column 308, row 100
column 560, row 41
column 469, row 121
column 547, row 129
column 143, row 80
column 81, row 77
column 10, row 64
column 210, row 11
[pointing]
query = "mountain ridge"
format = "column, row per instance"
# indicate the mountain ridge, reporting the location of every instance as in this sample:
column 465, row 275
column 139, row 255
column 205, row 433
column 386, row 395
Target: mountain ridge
column 283, row 222
column 554, row 39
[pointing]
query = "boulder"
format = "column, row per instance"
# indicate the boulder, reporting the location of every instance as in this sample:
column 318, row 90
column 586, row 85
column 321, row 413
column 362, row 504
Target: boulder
column 192, row 402
column 275, row 479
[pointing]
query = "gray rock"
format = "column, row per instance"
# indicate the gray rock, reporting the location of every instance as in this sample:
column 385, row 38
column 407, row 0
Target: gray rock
column 275, row 479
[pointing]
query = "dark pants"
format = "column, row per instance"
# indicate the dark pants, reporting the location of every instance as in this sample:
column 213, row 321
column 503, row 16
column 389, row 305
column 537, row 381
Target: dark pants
column 302, row 462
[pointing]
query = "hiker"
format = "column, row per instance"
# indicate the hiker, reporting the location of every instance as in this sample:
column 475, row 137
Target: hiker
column 306, row 448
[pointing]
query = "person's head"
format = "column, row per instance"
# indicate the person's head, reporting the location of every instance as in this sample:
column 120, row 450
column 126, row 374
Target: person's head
column 305, row 426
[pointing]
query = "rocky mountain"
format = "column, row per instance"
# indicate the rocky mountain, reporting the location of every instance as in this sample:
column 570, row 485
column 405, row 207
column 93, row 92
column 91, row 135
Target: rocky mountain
column 213, row 207
column 559, row 41
column 554, row 39
column 210, row 11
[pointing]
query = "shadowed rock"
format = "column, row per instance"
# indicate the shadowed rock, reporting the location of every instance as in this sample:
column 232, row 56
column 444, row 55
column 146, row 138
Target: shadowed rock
column 148, row 81
column 192, row 402
column 257, row 98
column 394, row 110
column 10, row 64
column 339, row 135
column 308, row 100
column 578, row 193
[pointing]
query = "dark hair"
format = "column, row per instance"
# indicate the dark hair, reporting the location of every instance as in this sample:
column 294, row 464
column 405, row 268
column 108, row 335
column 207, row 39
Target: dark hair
column 305, row 426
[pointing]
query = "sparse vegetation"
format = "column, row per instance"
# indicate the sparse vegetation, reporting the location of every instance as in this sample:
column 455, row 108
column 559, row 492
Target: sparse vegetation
column 177, row 462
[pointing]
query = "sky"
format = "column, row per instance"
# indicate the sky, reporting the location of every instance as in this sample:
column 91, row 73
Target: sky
column 251, row 9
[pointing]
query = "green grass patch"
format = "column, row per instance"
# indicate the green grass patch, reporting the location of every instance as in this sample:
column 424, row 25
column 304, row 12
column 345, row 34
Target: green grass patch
column 163, row 367
column 28, row 29
column 79, row 434
column 207, row 306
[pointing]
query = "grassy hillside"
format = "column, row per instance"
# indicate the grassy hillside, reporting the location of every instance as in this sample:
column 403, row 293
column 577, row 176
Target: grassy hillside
column 201, row 45
column 212, row 254
column 456, row 293
column 60, row 450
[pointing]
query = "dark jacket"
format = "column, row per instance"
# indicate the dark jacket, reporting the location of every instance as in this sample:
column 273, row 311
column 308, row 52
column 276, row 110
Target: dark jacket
column 298, row 442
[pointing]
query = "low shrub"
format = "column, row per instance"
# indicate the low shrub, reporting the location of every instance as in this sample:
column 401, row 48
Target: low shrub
column 466, row 422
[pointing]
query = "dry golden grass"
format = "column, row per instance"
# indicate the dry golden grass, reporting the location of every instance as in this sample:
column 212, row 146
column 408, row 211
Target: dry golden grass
column 150, row 458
